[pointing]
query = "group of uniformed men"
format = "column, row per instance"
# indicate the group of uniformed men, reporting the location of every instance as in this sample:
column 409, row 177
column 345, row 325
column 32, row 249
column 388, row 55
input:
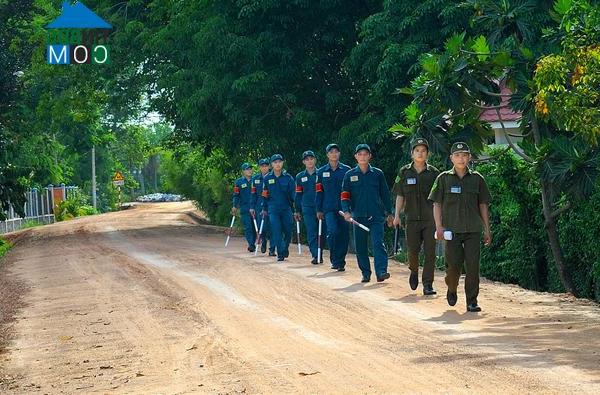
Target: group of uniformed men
column 450, row 206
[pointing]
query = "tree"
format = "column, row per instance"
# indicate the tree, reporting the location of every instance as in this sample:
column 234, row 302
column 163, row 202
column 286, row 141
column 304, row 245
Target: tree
column 456, row 85
column 391, row 41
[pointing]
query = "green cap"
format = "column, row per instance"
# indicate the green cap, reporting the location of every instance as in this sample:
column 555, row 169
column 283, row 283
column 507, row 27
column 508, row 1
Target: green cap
column 419, row 141
column 460, row 147
column 264, row 161
column 361, row 147
column 246, row 166
column 332, row 146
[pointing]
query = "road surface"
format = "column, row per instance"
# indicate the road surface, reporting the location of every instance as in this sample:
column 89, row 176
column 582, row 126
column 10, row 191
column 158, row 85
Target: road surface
column 149, row 301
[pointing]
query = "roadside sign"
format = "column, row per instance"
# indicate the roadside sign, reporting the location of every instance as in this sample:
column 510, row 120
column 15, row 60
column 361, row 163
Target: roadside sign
column 118, row 179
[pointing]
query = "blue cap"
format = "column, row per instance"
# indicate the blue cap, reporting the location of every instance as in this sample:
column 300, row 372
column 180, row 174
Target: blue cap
column 246, row 166
column 308, row 153
column 276, row 157
column 263, row 161
column 332, row 146
column 361, row 147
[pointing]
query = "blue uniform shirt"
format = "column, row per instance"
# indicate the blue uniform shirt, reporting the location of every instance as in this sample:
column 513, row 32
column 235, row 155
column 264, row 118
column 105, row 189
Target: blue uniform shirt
column 278, row 192
column 305, row 190
column 242, row 193
column 329, row 187
column 366, row 194
column 257, row 188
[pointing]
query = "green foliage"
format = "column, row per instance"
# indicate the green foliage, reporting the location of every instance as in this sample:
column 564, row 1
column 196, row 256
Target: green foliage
column 4, row 247
column 518, row 252
column 567, row 83
column 76, row 205
column 579, row 235
column 207, row 180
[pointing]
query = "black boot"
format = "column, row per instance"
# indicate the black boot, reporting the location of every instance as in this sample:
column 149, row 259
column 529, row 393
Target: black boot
column 451, row 297
column 263, row 247
column 428, row 290
column 413, row 280
column 383, row 277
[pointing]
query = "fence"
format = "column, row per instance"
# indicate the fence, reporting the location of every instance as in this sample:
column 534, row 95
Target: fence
column 39, row 207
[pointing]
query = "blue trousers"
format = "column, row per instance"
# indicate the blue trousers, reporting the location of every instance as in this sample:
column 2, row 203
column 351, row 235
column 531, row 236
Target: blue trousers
column 309, row 215
column 249, row 231
column 362, row 251
column 337, row 238
column 266, row 231
column 282, row 222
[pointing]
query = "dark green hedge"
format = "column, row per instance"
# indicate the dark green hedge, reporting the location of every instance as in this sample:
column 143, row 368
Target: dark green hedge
column 520, row 253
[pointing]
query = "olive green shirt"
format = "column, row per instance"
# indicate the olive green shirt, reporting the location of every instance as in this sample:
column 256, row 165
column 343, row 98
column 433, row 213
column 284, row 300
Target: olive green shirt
column 460, row 200
column 414, row 187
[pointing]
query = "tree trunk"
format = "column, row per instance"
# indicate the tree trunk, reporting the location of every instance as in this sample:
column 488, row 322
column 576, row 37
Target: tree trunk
column 553, row 239
column 550, row 222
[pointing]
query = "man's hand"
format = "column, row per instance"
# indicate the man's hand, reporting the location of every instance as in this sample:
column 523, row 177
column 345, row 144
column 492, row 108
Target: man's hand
column 263, row 213
column 252, row 212
column 348, row 216
column 233, row 210
column 297, row 217
column 390, row 221
column 487, row 237
column 320, row 215
column 439, row 233
column 397, row 222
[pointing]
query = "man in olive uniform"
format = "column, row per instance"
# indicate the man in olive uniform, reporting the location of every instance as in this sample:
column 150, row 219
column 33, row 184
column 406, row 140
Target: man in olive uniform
column 366, row 199
column 305, row 202
column 461, row 198
column 242, row 200
column 412, row 188
column 257, row 187
column 279, row 190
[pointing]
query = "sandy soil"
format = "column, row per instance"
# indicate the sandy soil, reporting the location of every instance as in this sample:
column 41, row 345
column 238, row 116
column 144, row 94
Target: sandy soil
column 149, row 301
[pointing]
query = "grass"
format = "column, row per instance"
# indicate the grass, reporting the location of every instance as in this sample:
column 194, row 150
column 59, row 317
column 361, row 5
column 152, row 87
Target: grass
column 4, row 247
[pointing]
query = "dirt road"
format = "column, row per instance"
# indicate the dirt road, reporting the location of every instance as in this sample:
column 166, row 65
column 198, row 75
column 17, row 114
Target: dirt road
column 147, row 301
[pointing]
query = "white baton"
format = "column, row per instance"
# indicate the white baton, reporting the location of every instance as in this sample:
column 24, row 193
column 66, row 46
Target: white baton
column 356, row 222
column 230, row 228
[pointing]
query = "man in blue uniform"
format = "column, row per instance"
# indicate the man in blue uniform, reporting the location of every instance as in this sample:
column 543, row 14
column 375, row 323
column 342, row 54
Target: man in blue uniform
column 305, row 202
column 279, row 190
column 242, row 200
column 366, row 198
column 328, row 189
column 257, row 188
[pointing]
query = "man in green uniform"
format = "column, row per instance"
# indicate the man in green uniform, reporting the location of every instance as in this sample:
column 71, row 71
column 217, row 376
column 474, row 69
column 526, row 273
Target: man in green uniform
column 412, row 188
column 460, row 207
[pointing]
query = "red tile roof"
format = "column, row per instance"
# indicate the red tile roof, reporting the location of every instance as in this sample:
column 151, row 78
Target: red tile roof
column 506, row 112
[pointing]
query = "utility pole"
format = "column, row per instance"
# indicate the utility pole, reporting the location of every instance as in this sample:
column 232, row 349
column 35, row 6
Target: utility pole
column 94, row 176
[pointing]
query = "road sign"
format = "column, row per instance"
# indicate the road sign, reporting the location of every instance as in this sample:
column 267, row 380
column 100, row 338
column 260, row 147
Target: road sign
column 118, row 179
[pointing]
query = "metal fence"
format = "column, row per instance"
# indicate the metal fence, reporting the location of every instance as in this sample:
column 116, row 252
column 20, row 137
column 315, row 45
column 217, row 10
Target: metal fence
column 39, row 207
